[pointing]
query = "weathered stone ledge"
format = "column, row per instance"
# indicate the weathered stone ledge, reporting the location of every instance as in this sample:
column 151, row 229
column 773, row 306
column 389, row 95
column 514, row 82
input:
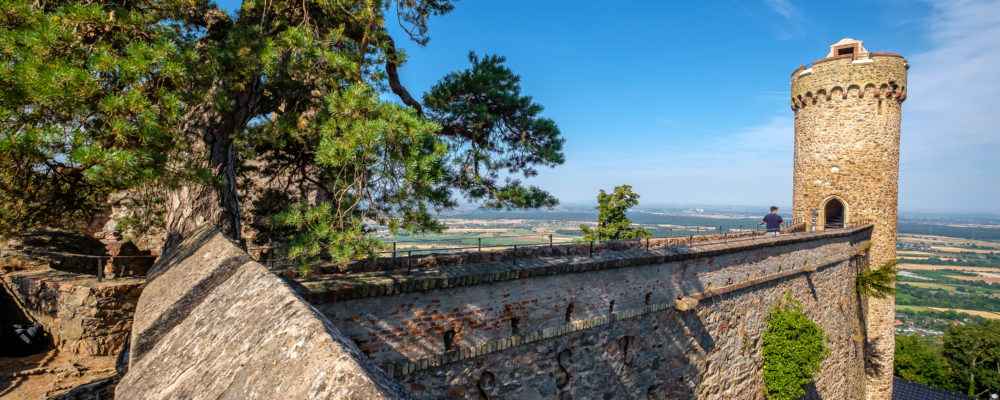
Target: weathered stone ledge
column 83, row 316
column 329, row 288
column 500, row 344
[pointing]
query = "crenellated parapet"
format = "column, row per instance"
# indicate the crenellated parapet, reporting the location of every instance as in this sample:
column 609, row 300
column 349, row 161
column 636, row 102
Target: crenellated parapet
column 841, row 77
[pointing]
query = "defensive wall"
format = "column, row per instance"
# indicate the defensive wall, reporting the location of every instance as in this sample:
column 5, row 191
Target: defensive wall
column 657, row 319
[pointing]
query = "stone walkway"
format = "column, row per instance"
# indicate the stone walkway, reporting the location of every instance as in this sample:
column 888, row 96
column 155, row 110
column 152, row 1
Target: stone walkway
column 52, row 375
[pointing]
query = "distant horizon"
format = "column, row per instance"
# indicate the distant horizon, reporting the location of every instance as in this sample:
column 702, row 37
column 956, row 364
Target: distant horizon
column 714, row 208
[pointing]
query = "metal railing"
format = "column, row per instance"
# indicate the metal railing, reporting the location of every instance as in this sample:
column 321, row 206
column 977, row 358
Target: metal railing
column 398, row 252
column 479, row 246
column 101, row 259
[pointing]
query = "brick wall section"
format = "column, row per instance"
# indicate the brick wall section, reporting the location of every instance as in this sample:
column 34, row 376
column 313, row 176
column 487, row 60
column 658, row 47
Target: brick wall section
column 847, row 131
column 644, row 345
column 81, row 315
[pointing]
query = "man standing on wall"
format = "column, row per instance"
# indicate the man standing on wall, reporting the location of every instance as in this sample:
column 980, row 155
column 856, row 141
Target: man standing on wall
column 773, row 221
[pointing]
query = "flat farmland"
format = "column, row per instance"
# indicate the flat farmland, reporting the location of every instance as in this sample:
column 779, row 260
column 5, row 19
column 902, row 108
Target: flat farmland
column 983, row 276
column 941, row 276
column 946, row 241
column 984, row 314
column 931, row 285
column 909, row 253
column 932, row 267
column 951, row 249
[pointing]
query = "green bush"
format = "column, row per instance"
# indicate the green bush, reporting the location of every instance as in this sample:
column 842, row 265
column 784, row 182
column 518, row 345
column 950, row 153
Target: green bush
column 794, row 346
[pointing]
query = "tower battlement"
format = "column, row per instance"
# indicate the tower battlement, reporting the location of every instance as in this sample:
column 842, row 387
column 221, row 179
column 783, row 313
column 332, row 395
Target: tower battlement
column 840, row 77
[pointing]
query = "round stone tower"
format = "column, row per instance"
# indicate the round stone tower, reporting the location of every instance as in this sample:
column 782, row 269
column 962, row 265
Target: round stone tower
column 847, row 113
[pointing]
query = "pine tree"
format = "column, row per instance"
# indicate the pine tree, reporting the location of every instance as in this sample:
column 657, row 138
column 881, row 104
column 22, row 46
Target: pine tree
column 612, row 222
column 270, row 122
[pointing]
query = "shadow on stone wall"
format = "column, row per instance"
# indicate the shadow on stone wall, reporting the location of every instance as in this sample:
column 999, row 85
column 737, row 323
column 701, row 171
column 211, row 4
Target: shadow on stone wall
column 710, row 350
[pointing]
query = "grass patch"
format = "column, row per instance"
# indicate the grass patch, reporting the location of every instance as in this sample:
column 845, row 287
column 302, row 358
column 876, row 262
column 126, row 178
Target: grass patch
column 930, row 285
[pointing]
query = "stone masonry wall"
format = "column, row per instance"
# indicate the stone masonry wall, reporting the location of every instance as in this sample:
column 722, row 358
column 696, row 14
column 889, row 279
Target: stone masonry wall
column 81, row 315
column 671, row 322
column 847, row 132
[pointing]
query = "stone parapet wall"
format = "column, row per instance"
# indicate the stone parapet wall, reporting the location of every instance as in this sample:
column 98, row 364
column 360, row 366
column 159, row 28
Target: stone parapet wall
column 404, row 262
column 82, row 316
column 672, row 322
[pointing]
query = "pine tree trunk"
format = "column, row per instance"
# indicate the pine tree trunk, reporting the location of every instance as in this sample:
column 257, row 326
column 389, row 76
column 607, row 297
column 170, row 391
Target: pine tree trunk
column 195, row 203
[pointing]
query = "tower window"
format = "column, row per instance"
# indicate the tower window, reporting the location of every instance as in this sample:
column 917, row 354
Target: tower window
column 845, row 51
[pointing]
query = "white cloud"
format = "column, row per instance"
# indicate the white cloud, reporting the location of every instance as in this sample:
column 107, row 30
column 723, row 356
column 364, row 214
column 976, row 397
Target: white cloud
column 785, row 9
column 951, row 119
column 953, row 85
column 791, row 26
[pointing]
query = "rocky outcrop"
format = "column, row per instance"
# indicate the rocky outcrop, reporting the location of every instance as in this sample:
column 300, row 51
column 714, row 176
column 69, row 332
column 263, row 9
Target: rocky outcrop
column 212, row 324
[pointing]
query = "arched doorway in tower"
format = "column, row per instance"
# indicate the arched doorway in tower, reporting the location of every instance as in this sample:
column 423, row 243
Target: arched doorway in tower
column 834, row 214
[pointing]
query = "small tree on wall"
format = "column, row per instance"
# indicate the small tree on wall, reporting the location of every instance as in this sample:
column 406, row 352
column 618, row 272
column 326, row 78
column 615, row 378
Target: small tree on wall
column 612, row 223
column 794, row 346
column 878, row 283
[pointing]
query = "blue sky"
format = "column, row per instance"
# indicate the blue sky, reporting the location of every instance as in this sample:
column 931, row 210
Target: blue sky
column 688, row 101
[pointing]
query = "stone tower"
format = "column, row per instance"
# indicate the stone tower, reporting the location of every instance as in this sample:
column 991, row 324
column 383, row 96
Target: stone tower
column 847, row 114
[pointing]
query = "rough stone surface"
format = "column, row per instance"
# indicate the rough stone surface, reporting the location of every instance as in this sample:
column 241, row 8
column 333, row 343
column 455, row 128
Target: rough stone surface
column 238, row 332
column 81, row 315
column 128, row 260
column 179, row 281
column 847, row 131
column 606, row 327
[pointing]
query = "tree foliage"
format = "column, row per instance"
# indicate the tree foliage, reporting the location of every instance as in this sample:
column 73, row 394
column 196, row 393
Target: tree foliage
column 91, row 101
column 494, row 129
column 916, row 361
column 612, row 221
column 272, row 123
column 794, row 346
column 879, row 282
column 973, row 353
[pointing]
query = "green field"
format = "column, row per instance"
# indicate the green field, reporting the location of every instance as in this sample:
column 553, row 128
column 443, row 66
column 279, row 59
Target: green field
column 932, row 290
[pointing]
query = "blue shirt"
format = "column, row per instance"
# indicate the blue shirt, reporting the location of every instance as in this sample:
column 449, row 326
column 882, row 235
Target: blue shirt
column 773, row 222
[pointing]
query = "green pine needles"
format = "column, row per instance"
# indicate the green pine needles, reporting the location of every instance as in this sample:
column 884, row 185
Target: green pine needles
column 794, row 346
column 612, row 222
column 878, row 283
column 274, row 123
